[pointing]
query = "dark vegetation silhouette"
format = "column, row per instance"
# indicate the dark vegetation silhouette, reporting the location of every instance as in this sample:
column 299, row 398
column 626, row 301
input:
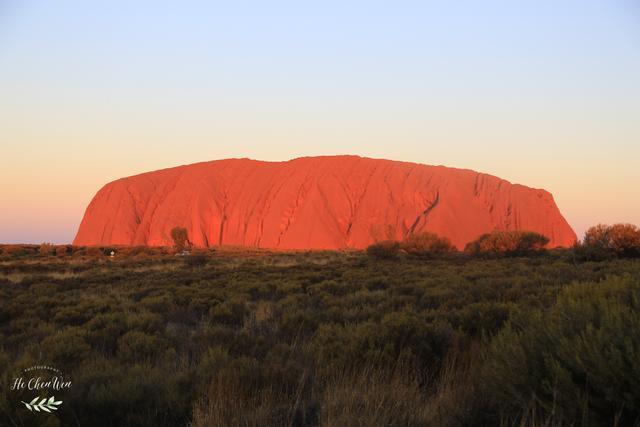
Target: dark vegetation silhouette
column 507, row 243
column 238, row 337
column 385, row 249
column 418, row 245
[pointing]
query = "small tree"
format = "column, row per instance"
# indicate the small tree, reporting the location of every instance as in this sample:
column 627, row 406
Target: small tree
column 426, row 245
column 624, row 240
column 180, row 238
column 597, row 236
column 603, row 241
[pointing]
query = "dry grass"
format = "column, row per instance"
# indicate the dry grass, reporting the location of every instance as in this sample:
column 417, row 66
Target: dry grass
column 226, row 406
column 19, row 276
column 230, row 401
column 374, row 397
column 370, row 395
column 454, row 398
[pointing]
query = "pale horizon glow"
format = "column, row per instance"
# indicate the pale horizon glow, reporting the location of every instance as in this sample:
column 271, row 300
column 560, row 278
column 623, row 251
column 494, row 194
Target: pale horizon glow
column 540, row 93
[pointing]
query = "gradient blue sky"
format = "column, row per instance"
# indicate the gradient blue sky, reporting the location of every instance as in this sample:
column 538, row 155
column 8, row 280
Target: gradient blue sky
column 543, row 93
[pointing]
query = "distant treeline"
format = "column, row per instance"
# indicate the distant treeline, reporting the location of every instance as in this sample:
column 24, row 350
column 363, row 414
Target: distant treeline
column 600, row 242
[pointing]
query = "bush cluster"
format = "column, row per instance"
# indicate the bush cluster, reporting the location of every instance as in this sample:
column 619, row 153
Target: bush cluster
column 419, row 245
column 386, row 249
column 426, row 245
column 608, row 241
column 429, row 246
column 515, row 243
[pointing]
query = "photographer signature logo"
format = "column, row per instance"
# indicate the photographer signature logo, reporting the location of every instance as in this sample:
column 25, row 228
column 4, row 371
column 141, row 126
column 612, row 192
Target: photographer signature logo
column 44, row 379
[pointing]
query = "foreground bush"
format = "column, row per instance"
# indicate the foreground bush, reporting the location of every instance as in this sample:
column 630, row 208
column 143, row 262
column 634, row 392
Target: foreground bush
column 426, row 245
column 507, row 243
column 576, row 364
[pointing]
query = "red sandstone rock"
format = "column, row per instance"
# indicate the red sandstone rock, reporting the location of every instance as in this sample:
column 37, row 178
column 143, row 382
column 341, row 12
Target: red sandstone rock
column 314, row 203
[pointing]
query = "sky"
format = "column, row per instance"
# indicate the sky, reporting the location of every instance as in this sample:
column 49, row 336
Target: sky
column 541, row 93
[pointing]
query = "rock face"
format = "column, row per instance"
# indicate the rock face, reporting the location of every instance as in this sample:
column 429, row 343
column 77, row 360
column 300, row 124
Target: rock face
column 329, row 202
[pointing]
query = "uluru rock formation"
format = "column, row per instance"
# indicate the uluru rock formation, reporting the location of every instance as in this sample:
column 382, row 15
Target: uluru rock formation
column 330, row 202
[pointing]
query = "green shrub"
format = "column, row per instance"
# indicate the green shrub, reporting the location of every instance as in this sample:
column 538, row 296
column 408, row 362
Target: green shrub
column 480, row 318
column 71, row 315
column 577, row 363
column 104, row 330
column 152, row 396
column 339, row 347
column 230, row 312
column 65, row 348
column 137, row 346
